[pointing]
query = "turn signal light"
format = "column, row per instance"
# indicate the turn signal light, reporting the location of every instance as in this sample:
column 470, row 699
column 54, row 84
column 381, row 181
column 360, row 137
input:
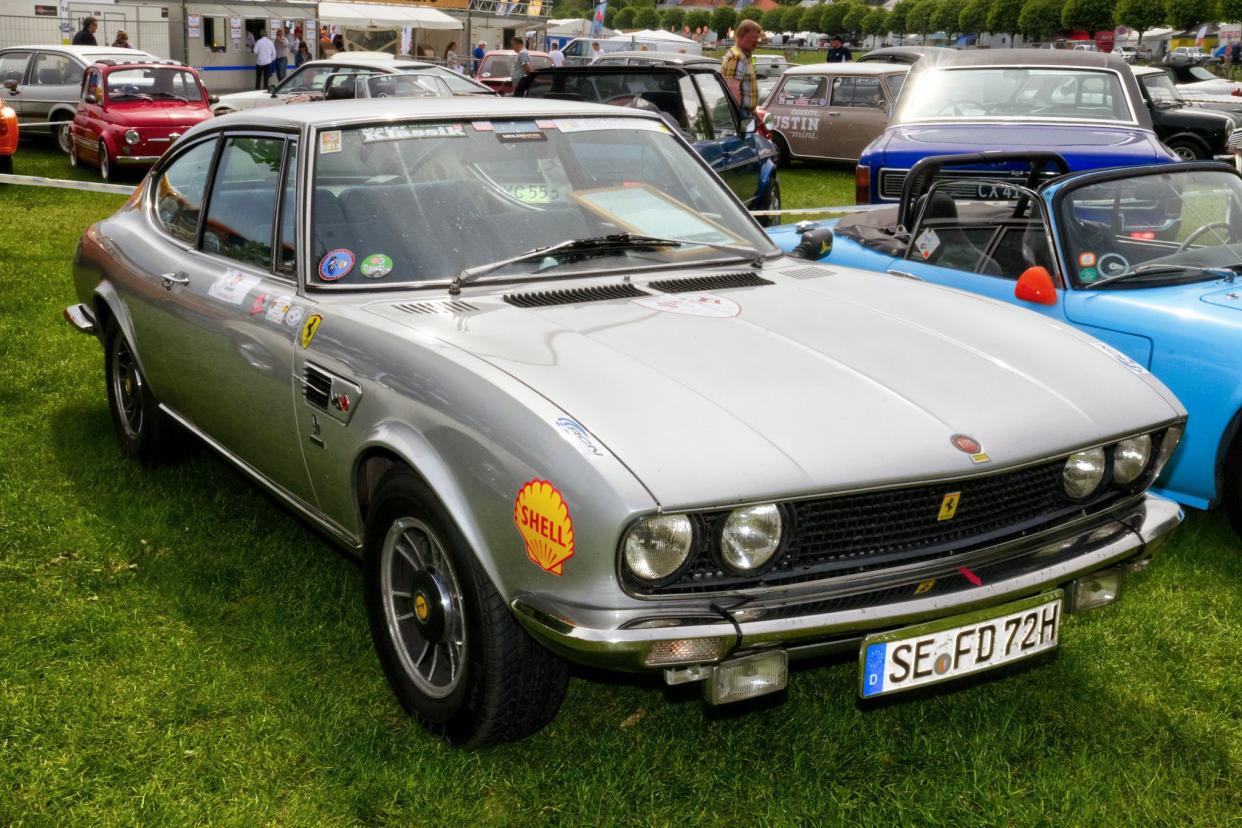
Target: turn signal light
column 862, row 184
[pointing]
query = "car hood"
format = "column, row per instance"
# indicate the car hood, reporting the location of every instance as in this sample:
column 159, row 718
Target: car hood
column 245, row 100
column 803, row 386
column 176, row 114
column 1082, row 146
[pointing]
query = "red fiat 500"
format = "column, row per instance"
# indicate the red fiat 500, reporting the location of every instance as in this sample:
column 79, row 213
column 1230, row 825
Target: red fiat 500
column 129, row 113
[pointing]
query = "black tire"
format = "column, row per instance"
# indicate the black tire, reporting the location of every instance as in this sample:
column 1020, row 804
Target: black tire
column 506, row 686
column 6, row 165
column 63, row 139
column 1187, row 150
column 105, row 163
column 782, row 150
column 1231, row 498
column 144, row 431
column 773, row 202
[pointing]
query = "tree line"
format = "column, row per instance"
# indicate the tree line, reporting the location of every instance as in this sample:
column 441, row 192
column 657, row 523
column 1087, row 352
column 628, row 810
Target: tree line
column 854, row 19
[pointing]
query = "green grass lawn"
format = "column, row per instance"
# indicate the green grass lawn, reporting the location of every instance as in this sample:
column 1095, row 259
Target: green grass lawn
column 177, row 649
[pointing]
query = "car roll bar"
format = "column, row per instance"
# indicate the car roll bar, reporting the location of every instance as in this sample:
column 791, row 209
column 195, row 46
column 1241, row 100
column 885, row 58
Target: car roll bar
column 924, row 171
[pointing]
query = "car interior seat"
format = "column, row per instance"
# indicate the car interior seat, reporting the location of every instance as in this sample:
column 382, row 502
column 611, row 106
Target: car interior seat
column 50, row 75
column 340, row 92
column 955, row 250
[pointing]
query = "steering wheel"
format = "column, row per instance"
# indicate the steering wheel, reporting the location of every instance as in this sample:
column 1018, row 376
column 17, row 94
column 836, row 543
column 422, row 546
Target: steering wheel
column 957, row 107
column 1200, row 230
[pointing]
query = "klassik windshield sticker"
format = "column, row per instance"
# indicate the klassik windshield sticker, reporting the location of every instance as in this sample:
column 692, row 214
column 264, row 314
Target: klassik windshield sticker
column 400, row 132
column 596, row 124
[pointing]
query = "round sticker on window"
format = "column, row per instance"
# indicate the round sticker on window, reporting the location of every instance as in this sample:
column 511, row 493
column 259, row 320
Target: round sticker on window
column 376, row 266
column 336, row 265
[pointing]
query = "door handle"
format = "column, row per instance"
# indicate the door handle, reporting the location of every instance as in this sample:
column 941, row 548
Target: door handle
column 174, row 278
column 834, row 114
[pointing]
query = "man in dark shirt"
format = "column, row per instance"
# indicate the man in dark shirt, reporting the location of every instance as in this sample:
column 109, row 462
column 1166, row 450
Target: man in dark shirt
column 86, row 37
column 839, row 53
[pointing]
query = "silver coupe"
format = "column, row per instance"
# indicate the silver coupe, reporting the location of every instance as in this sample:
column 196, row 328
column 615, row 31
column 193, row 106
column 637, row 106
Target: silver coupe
column 536, row 366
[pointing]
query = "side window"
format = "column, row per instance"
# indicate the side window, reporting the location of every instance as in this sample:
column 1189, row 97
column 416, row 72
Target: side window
column 842, row 92
column 307, row 79
column 287, row 261
column 803, row 90
column 242, row 211
column 717, row 99
column 214, row 33
column 13, row 67
column 54, row 70
column 695, row 116
column 93, row 86
column 894, row 83
column 180, row 191
column 867, row 92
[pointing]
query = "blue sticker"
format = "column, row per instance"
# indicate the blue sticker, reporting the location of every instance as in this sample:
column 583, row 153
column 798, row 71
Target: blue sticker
column 873, row 673
column 336, row 264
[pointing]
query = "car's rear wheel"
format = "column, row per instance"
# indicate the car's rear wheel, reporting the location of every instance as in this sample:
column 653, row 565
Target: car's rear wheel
column 105, row 163
column 451, row 649
column 773, row 203
column 1187, row 150
column 144, row 431
column 63, row 139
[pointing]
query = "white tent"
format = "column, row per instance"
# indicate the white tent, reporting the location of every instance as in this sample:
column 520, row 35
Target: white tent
column 654, row 34
column 380, row 15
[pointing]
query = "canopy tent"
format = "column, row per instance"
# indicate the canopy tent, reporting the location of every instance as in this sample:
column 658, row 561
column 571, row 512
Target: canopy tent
column 379, row 15
column 655, row 34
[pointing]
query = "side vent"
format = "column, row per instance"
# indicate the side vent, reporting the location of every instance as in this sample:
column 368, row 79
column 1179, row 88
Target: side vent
column 317, row 387
column 436, row 307
column 572, row 296
column 807, row 272
column 692, row 284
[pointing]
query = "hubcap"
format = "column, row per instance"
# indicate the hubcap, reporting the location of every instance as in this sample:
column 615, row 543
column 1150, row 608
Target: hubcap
column 127, row 388
column 63, row 137
column 1184, row 153
column 423, row 607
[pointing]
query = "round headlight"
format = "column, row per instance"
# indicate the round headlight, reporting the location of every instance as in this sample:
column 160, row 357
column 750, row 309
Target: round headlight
column 1130, row 458
column 657, row 546
column 750, row 537
column 131, row 136
column 1083, row 473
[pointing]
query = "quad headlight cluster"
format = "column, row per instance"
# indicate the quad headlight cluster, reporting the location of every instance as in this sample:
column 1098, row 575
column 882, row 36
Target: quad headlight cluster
column 657, row 549
column 1087, row 471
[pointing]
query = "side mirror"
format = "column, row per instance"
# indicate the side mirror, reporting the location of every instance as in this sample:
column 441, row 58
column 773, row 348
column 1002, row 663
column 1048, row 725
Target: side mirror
column 815, row 244
column 10, row 85
column 1035, row 286
column 90, row 98
column 211, row 99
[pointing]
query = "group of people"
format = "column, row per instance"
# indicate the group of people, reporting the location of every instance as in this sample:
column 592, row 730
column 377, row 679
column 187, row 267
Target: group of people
column 86, row 36
column 272, row 54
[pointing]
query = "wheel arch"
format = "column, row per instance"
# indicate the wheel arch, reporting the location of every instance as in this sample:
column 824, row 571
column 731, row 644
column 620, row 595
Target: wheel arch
column 1229, row 439
column 1190, row 138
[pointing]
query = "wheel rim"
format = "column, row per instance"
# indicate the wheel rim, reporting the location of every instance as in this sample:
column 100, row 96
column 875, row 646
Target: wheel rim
column 105, row 171
column 423, row 607
column 1185, row 153
column 127, row 386
column 63, row 136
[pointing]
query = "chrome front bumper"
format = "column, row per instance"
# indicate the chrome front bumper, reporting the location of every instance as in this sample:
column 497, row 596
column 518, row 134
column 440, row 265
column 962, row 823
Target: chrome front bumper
column 811, row 620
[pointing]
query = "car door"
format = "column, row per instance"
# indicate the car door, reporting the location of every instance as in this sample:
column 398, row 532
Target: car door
column 737, row 154
column 800, row 117
column 222, row 339
column 857, row 108
column 13, row 66
column 53, row 79
column 88, row 117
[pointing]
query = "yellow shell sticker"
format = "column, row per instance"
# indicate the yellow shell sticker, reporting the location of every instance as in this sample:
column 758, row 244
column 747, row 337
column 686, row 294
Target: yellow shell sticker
column 948, row 506
column 542, row 518
column 309, row 328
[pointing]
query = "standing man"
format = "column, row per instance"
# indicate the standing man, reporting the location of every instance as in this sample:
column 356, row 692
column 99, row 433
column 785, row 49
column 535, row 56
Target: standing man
column 264, row 58
column 737, row 69
column 86, row 37
column 477, row 54
column 839, row 52
column 282, row 54
column 556, row 55
column 1235, row 56
column 521, row 62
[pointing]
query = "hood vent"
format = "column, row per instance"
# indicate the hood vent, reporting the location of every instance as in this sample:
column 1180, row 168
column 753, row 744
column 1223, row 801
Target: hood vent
column 436, row 307
column 807, row 272
column 694, row 284
column 317, row 387
column 572, row 296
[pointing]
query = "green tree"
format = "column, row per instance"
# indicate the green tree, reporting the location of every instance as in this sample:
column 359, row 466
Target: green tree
column 876, row 24
column 974, row 18
column 698, row 19
column 945, row 17
column 723, row 19
column 1089, row 15
column 1144, row 15
column 772, row 20
column 1003, row 18
column 808, row 21
column 854, row 18
column 832, row 18
column 898, row 17
column 1229, row 11
column 610, row 17
column 751, row 13
column 672, row 19
column 1040, row 19
column 647, row 18
column 624, row 18
column 919, row 17
column 790, row 17
column 1185, row 14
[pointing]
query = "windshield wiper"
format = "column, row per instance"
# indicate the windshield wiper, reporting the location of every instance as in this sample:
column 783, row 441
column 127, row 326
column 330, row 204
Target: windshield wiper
column 616, row 241
column 1153, row 269
column 171, row 95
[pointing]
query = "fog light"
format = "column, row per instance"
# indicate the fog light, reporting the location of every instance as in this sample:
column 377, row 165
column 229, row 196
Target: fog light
column 1097, row 589
column 747, row 677
column 132, row 136
column 684, row 651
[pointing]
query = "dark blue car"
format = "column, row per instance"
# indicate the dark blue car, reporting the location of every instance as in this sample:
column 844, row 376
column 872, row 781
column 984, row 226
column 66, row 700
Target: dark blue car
column 1086, row 106
column 694, row 101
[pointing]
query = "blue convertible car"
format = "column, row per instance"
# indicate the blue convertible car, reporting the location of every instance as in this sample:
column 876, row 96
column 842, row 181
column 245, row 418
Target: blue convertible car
column 1145, row 259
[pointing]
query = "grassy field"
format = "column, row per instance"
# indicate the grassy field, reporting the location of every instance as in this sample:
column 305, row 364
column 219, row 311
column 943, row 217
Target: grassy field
column 176, row 649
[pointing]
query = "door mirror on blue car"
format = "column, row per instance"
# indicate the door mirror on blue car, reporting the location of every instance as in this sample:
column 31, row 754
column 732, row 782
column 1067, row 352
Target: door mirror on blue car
column 1035, row 285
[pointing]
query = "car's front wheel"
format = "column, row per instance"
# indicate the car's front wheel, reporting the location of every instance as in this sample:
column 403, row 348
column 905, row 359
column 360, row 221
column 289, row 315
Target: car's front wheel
column 452, row 651
column 63, row 139
column 73, row 153
column 144, row 431
column 105, row 162
column 773, row 203
column 782, row 150
column 1187, row 150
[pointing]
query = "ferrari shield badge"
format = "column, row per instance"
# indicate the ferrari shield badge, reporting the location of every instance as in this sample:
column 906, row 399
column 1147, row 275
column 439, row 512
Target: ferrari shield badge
column 309, row 328
column 542, row 519
column 948, row 506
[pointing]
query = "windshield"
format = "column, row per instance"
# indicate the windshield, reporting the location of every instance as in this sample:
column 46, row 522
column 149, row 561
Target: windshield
column 501, row 66
column 459, row 84
column 402, row 86
column 309, row 78
column 429, row 200
column 151, row 82
column 1160, row 88
column 1014, row 92
column 1201, row 74
column 1183, row 220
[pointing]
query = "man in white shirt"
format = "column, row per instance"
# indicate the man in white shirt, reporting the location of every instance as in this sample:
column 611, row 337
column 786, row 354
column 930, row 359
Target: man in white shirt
column 557, row 56
column 265, row 57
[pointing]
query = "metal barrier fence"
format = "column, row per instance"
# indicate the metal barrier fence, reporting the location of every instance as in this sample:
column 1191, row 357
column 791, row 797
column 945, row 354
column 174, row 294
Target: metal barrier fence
column 148, row 35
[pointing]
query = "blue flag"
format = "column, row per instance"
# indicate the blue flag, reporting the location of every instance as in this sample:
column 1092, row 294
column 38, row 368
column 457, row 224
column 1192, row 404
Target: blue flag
column 597, row 21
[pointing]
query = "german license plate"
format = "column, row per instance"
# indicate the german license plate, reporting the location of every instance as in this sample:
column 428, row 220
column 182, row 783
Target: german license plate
column 951, row 647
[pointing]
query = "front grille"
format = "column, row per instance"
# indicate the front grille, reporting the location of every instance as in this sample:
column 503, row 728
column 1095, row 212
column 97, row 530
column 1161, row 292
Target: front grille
column 572, row 296
column 716, row 282
column 836, row 536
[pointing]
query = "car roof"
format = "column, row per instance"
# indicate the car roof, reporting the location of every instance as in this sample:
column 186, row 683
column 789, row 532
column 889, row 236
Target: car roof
column 1030, row 57
column 388, row 61
column 624, row 69
column 83, row 52
column 366, row 109
column 671, row 57
column 491, row 52
column 902, row 51
column 873, row 68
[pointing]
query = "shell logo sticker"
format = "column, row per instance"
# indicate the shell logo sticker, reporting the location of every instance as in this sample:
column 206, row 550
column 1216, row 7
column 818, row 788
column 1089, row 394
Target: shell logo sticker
column 542, row 518
column 309, row 329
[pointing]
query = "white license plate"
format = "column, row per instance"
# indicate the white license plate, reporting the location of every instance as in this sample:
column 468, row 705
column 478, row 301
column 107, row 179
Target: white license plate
column 951, row 647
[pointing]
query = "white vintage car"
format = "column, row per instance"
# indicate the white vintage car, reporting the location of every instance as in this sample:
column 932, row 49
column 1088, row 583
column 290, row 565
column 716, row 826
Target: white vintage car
column 533, row 362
